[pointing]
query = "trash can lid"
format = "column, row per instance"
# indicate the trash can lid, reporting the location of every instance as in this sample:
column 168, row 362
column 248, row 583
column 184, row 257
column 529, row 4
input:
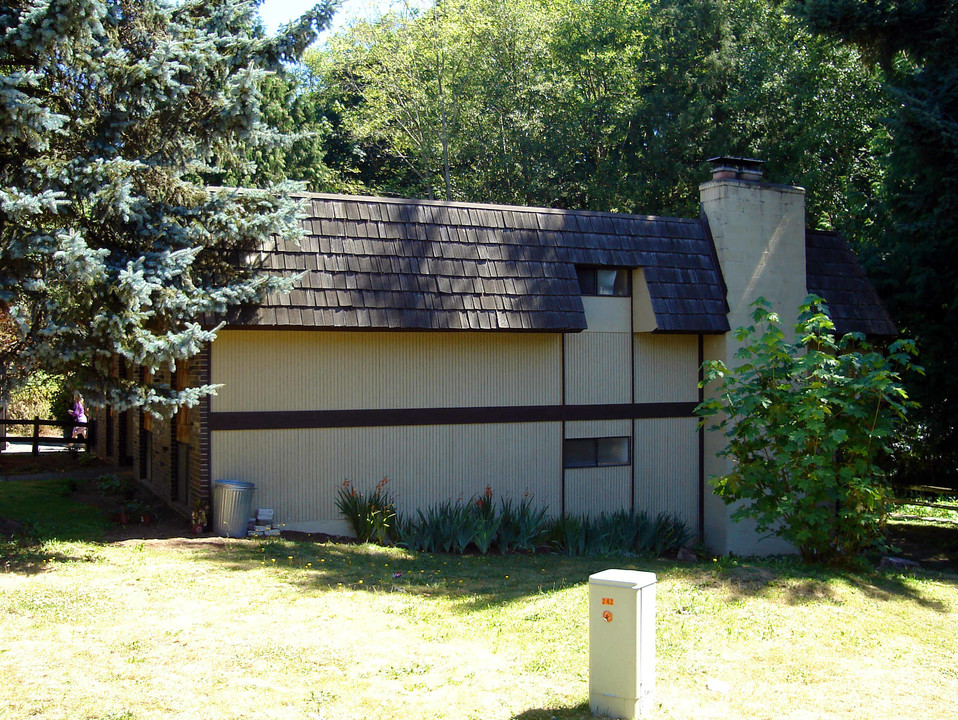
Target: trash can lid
column 238, row 484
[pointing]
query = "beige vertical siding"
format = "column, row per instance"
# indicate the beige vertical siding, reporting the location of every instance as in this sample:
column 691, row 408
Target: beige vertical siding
column 297, row 472
column 643, row 316
column 717, row 523
column 665, row 458
column 666, row 368
column 598, row 428
column 591, row 491
column 597, row 368
column 350, row 371
column 607, row 314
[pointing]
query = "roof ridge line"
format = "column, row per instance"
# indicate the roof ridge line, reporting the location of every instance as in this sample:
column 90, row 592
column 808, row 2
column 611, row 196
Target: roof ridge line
column 485, row 206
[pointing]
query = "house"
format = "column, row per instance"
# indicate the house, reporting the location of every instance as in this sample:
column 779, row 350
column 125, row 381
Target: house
column 453, row 346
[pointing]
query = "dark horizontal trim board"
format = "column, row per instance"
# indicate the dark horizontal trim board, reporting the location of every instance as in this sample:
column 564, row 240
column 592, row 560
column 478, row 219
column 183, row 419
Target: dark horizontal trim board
column 310, row 419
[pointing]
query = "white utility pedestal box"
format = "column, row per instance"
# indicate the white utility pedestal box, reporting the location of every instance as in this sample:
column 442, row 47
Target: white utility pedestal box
column 621, row 643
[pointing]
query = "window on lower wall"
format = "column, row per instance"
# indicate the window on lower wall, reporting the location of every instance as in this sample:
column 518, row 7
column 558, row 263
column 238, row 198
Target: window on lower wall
column 596, row 452
column 181, row 479
column 146, row 455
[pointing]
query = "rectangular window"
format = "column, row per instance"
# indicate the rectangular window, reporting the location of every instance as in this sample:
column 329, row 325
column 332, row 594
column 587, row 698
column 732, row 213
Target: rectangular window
column 609, row 282
column 146, row 455
column 181, row 481
column 596, row 452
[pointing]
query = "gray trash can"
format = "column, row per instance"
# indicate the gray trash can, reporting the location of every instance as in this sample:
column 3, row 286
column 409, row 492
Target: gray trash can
column 232, row 506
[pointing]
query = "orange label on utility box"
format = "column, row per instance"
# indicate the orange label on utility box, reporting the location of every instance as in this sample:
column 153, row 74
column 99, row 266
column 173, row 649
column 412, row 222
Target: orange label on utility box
column 608, row 601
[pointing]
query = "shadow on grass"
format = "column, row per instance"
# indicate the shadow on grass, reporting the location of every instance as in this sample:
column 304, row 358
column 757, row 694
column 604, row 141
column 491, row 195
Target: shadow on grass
column 473, row 582
column 579, row 712
column 802, row 584
column 33, row 557
column 40, row 516
column 933, row 545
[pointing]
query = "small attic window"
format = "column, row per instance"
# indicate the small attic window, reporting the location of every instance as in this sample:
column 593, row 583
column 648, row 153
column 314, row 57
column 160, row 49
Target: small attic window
column 609, row 282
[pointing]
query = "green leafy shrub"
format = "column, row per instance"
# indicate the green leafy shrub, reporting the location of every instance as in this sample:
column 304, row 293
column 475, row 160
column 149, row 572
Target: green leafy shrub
column 442, row 524
column 806, row 423
column 617, row 532
column 479, row 524
column 40, row 396
column 114, row 484
column 371, row 515
column 416, row 535
column 667, row 534
column 523, row 526
column 485, row 522
column 569, row 535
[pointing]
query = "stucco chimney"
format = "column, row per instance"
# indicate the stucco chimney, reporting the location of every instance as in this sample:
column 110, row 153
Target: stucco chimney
column 759, row 234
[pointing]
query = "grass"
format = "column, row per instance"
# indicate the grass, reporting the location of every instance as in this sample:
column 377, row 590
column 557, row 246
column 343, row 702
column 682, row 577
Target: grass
column 222, row 629
column 47, row 509
column 929, row 511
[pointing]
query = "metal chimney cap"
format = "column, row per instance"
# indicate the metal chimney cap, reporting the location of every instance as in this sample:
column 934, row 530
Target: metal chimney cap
column 725, row 167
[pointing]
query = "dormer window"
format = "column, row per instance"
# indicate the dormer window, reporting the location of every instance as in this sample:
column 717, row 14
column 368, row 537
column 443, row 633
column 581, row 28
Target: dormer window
column 608, row 282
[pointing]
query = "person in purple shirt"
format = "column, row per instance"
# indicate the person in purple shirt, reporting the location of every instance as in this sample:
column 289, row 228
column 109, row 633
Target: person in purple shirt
column 78, row 413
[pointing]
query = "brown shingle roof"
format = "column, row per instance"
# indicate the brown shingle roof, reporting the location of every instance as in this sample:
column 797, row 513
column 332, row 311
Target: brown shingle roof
column 420, row 265
column 832, row 271
column 378, row 263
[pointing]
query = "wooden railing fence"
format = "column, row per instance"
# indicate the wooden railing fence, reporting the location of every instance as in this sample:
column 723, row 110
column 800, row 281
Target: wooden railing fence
column 36, row 439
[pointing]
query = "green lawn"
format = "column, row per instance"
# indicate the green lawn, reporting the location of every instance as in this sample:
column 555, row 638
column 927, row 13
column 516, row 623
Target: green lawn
column 218, row 629
column 46, row 509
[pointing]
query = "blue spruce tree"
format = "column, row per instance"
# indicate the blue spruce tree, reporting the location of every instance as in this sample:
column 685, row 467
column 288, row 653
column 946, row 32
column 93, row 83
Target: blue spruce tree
column 113, row 115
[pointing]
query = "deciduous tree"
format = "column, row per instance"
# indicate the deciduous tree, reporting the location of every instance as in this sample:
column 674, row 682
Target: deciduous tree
column 806, row 424
column 607, row 104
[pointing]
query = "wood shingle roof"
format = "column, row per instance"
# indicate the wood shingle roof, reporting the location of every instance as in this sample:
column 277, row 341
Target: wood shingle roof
column 390, row 264
column 381, row 263
column 833, row 272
